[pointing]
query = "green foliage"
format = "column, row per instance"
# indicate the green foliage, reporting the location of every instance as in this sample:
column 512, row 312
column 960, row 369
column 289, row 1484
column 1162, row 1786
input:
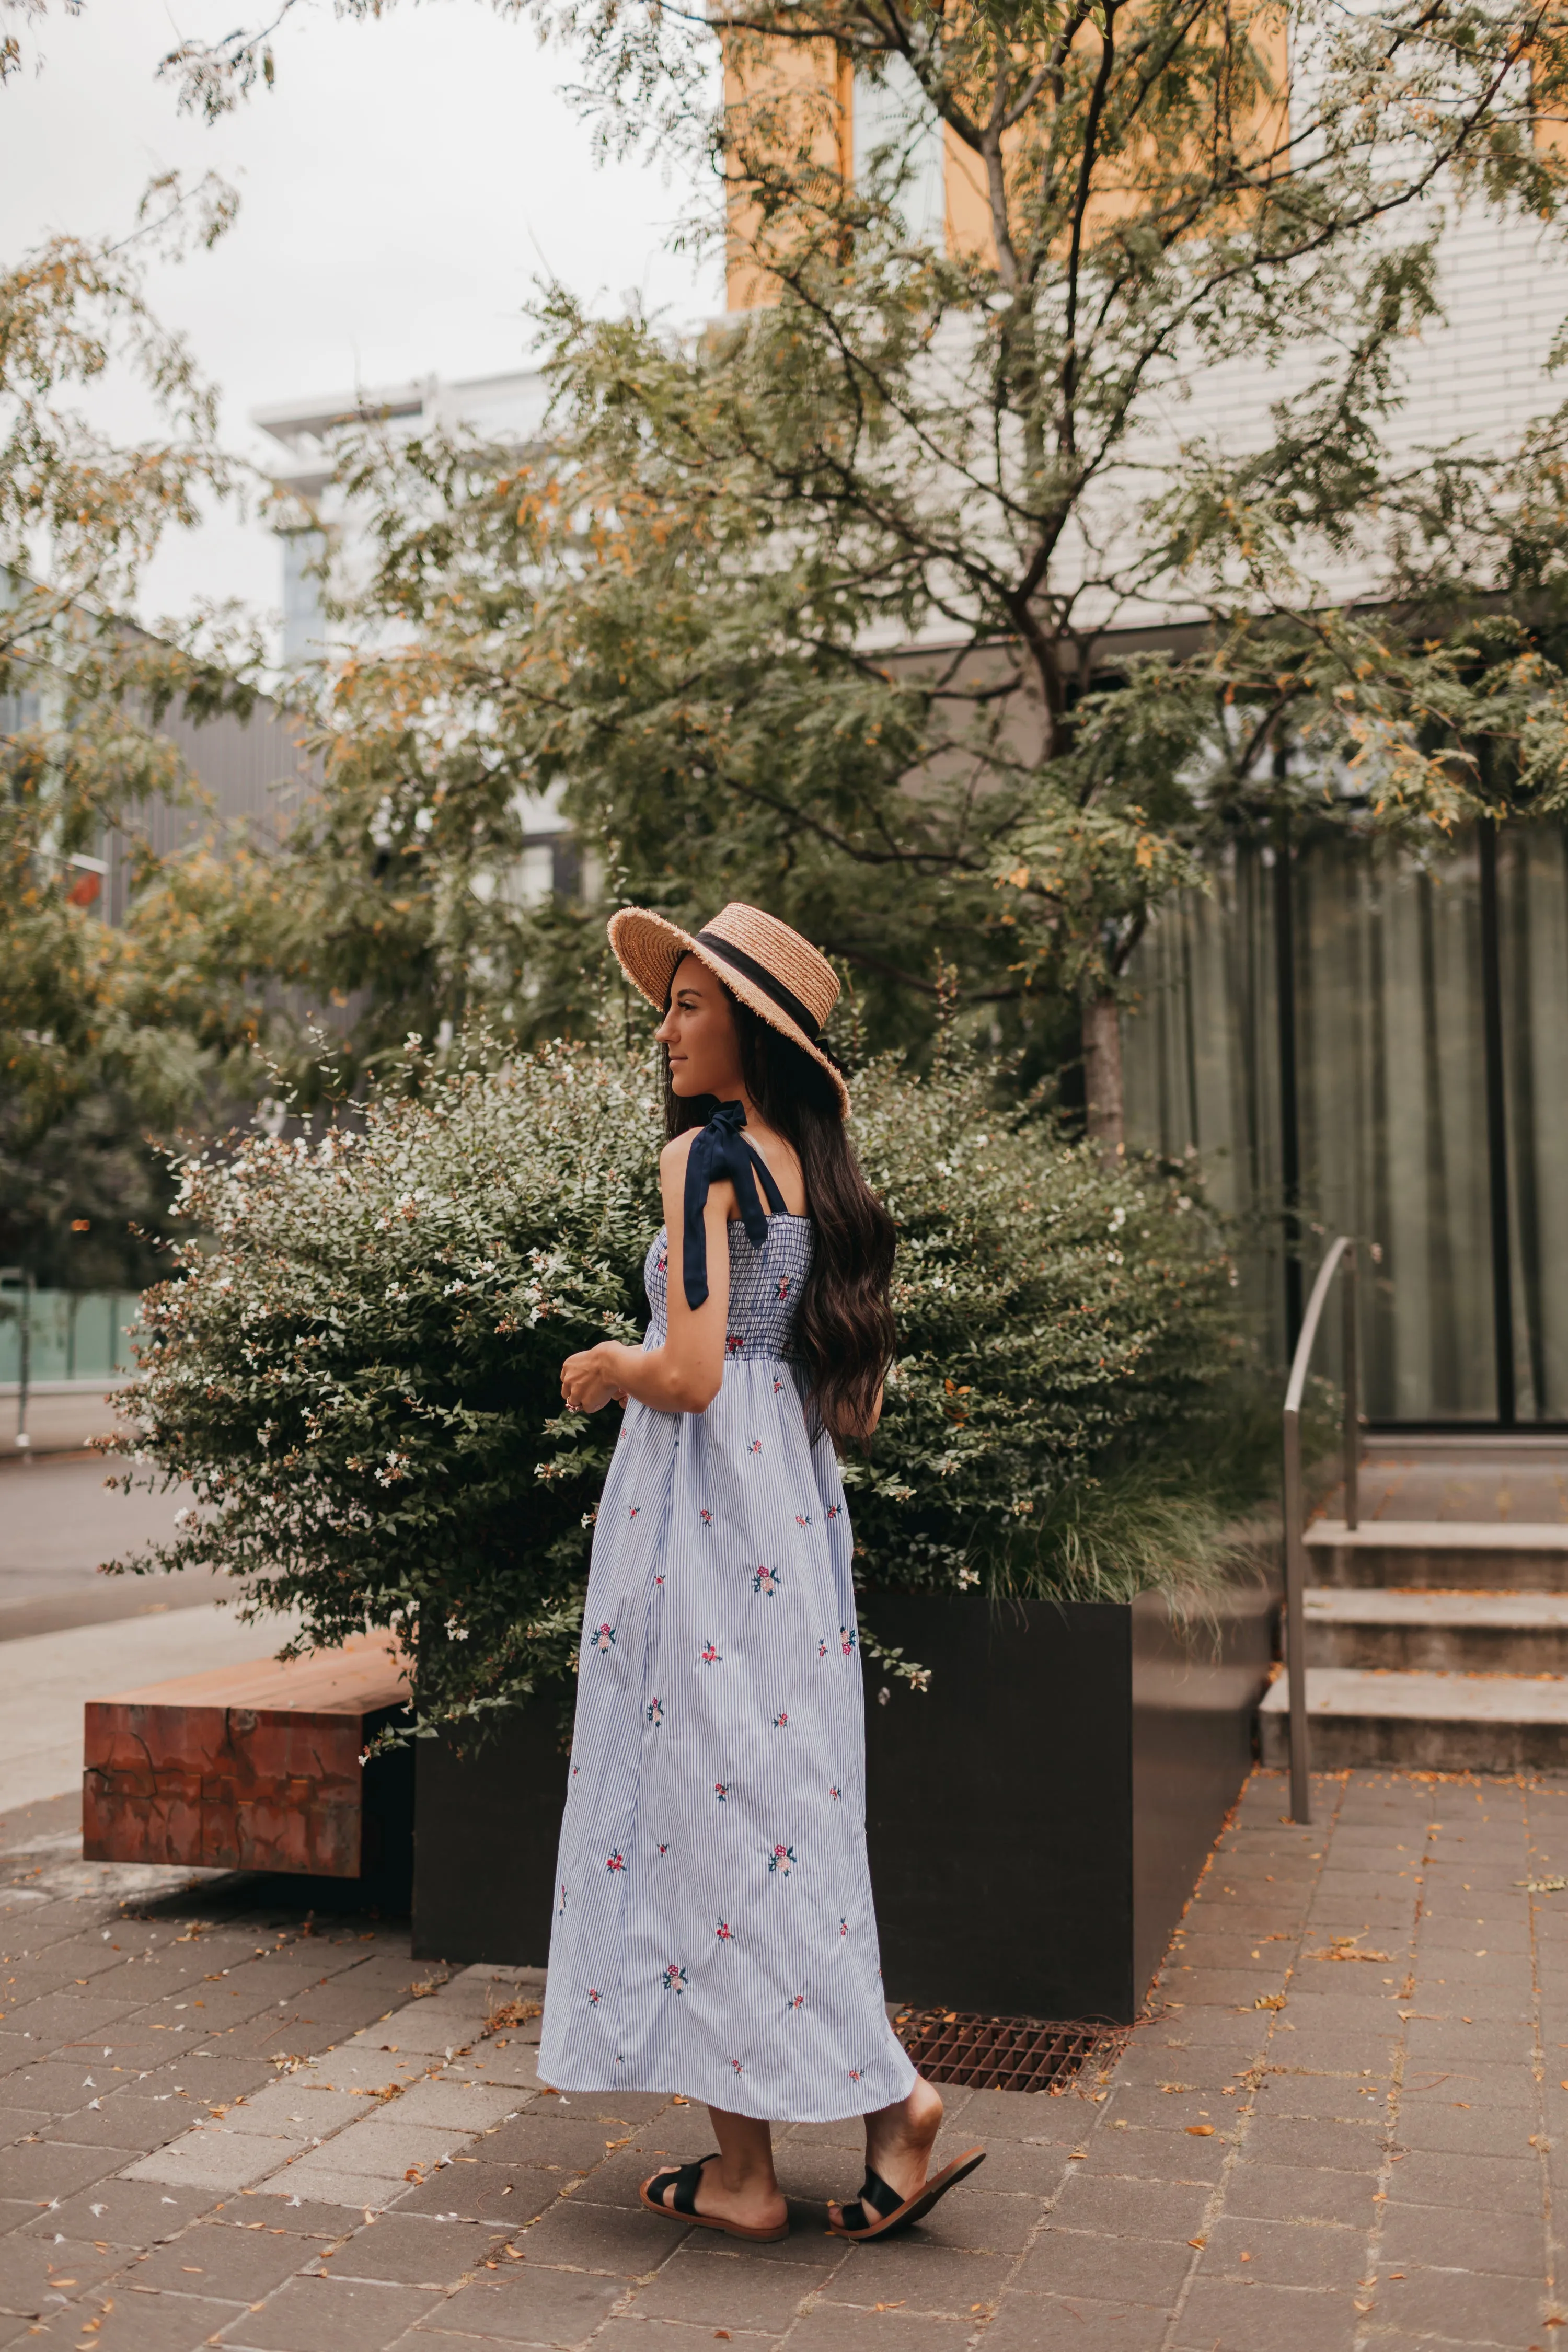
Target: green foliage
column 1074, row 1411
column 827, row 600
column 357, row 1370
column 112, row 1020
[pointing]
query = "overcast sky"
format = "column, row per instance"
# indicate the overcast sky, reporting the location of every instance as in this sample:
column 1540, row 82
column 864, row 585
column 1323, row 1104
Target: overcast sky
column 401, row 186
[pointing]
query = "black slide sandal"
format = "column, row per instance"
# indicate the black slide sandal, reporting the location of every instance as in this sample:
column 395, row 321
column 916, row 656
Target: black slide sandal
column 682, row 2206
column 895, row 2213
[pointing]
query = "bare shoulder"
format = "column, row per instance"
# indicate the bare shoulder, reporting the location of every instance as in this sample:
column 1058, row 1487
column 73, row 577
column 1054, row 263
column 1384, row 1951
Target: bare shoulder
column 672, row 1160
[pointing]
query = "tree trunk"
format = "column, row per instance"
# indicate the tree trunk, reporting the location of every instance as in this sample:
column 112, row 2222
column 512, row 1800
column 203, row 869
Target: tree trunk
column 1103, row 1075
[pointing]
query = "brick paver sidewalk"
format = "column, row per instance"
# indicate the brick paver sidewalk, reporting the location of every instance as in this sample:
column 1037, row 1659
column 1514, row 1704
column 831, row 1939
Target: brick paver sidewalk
column 1334, row 2131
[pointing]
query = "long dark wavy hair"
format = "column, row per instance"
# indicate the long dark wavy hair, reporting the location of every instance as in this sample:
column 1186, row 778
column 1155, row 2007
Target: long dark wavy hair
column 844, row 1327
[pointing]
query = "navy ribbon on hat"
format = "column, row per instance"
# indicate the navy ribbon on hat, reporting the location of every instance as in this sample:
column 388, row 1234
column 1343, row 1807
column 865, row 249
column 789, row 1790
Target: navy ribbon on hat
column 720, row 1149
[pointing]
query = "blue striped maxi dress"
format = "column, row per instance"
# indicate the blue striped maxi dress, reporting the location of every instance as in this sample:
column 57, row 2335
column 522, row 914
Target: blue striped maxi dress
column 714, row 1931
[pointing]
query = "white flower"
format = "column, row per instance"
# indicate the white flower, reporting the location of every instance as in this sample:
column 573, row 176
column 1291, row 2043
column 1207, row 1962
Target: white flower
column 966, row 1577
column 1117, row 1218
column 183, row 1515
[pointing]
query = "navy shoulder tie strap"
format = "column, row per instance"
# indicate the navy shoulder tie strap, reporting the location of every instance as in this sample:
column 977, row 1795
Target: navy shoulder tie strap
column 720, row 1149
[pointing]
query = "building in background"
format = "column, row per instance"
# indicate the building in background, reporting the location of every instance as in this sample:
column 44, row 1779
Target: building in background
column 507, row 410
column 1352, row 1040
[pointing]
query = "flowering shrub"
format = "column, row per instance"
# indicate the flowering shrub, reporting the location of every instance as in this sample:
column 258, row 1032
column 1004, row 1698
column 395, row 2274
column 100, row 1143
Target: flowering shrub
column 356, row 1366
column 1074, row 1411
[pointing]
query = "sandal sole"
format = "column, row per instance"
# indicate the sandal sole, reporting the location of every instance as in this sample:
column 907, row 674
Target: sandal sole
column 916, row 2208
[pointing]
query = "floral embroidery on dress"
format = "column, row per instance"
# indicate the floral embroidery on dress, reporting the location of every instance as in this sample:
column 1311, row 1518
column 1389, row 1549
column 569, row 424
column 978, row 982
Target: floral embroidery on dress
column 746, row 1473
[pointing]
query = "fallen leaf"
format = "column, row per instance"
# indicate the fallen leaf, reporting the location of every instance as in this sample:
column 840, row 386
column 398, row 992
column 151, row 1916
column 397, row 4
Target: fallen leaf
column 1200, row 2131
column 1200, row 2243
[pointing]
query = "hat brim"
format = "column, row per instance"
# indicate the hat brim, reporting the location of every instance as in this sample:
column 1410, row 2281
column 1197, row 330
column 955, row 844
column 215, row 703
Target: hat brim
column 650, row 948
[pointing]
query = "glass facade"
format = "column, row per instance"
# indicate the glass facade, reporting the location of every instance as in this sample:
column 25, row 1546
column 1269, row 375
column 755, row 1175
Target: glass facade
column 75, row 1335
column 1355, row 1042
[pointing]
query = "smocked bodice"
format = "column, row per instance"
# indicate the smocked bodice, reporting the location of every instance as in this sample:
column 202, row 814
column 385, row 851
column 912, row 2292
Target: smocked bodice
column 765, row 1287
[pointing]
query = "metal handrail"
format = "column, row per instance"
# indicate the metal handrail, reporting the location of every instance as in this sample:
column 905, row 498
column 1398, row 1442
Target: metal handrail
column 1340, row 1258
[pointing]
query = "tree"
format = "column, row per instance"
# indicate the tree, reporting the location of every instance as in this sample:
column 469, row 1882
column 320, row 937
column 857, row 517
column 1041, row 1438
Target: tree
column 827, row 605
column 104, row 1029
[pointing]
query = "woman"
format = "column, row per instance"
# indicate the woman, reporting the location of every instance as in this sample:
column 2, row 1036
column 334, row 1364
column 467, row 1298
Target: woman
column 713, row 1932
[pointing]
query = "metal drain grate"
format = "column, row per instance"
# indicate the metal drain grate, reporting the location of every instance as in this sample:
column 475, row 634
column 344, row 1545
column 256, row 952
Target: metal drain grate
column 1000, row 2053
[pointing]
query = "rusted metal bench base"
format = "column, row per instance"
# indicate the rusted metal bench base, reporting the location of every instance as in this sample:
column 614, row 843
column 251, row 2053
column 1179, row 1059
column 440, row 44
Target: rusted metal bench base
column 256, row 1768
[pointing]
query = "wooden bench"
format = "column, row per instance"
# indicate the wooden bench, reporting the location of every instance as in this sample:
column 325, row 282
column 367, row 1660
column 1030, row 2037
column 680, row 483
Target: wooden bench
column 256, row 1768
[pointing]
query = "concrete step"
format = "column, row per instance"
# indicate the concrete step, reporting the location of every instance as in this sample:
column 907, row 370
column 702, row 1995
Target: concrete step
column 1507, row 1556
column 1438, row 1632
column 1423, row 1722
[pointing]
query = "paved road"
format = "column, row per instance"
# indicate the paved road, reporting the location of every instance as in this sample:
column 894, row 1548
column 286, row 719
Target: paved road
column 68, row 1634
column 58, row 1521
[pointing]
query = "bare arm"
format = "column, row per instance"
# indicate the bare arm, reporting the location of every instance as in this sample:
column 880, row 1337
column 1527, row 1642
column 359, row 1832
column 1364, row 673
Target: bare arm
column 684, row 1373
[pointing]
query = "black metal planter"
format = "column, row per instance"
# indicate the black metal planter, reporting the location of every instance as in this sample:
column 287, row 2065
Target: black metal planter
column 1036, row 1819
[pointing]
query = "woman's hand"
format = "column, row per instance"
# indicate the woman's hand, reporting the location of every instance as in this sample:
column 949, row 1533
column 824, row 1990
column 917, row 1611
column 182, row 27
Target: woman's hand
column 592, row 1379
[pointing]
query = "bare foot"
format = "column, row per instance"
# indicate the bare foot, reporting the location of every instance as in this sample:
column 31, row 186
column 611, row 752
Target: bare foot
column 898, row 2141
column 752, row 2201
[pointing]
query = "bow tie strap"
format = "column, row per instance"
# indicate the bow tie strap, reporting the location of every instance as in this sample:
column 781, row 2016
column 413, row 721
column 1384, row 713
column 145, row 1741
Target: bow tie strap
column 720, row 1149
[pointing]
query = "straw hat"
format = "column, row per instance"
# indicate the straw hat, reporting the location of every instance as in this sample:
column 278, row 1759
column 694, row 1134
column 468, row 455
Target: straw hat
column 785, row 981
